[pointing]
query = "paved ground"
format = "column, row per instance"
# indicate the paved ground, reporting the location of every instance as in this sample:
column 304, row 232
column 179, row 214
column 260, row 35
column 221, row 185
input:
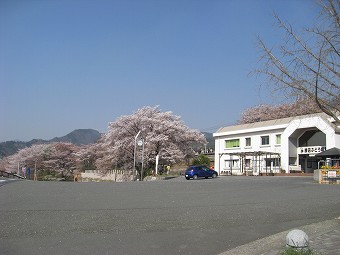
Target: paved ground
column 324, row 239
column 176, row 216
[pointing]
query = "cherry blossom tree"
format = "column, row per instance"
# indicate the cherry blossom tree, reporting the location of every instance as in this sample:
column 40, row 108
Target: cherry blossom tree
column 267, row 112
column 307, row 63
column 163, row 133
column 56, row 157
column 86, row 157
column 27, row 156
column 61, row 157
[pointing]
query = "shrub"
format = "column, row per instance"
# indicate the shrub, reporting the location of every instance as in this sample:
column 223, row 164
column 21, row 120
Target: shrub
column 292, row 251
column 201, row 160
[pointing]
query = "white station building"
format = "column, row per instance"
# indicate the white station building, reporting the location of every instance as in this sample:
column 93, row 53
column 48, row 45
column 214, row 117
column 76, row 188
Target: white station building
column 274, row 146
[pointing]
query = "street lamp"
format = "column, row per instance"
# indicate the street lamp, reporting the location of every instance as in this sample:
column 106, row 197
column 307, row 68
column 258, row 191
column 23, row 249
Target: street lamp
column 141, row 143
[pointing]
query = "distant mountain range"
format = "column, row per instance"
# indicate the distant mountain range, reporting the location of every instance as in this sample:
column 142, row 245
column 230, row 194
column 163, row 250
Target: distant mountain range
column 77, row 137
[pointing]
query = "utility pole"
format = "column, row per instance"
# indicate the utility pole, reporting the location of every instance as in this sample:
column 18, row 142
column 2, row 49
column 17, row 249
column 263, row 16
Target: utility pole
column 134, row 156
column 141, row 143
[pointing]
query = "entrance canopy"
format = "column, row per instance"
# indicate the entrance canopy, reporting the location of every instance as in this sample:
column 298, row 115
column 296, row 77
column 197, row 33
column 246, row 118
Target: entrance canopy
column 329, row 153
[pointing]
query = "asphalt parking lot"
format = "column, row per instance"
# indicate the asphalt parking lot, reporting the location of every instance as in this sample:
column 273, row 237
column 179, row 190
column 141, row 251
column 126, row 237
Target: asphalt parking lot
column 176, row 216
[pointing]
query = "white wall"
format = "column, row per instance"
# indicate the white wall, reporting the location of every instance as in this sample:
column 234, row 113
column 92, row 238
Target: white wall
column 255, row 145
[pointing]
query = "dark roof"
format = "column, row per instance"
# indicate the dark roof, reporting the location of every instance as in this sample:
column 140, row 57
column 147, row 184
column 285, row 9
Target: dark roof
column 331, row 152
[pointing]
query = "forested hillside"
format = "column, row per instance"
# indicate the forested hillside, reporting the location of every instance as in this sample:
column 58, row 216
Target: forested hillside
column 77, row 137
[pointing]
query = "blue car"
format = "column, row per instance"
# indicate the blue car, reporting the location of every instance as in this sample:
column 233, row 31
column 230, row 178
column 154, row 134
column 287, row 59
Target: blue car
column 196, row 172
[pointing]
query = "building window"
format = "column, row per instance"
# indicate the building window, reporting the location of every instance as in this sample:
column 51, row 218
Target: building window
column 275, row 161
column 232, row 143
column 232, row 164
column 248, row 142
column 278, row 139
column 265, row 140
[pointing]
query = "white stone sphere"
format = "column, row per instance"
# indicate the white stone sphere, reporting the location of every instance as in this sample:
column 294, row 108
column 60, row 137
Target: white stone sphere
column 297, row 239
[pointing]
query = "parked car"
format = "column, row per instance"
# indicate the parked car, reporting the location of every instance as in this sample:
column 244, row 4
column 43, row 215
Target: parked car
column 196, row 172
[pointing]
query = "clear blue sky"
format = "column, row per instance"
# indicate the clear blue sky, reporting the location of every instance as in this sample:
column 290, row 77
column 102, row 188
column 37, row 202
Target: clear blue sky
column 70, row 64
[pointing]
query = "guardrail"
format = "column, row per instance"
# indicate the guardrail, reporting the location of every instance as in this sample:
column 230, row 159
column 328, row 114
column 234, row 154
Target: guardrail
column 10, row 175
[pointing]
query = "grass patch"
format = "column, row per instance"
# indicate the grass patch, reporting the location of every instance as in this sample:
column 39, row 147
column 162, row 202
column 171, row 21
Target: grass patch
column 292, row 251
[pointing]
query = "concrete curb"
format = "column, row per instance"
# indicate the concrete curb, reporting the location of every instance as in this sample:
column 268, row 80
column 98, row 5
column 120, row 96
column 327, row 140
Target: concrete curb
column 274, row 244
